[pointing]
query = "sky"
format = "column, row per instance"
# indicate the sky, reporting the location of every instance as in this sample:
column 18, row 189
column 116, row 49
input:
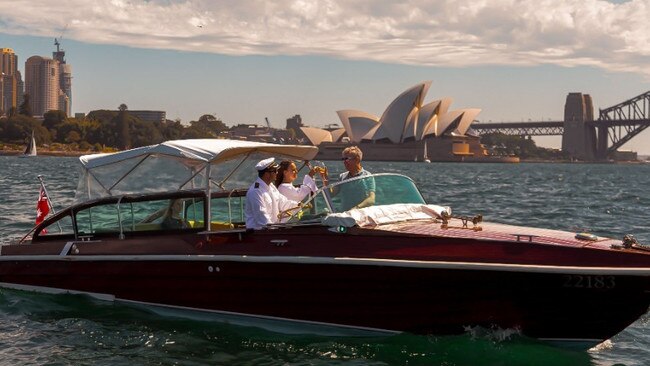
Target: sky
column 243, row 61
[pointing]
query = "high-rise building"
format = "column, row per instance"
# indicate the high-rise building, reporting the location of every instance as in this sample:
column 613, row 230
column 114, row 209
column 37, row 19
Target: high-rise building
column 5, row 93
column 65, row 100
column 10, row 80
column 42, row 84
column 48, row 81
column 20, row 87
column 65, row 79
column 8, row 61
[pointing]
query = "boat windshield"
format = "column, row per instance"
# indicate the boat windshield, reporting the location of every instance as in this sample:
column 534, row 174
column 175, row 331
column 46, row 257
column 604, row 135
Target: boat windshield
column 360, row 192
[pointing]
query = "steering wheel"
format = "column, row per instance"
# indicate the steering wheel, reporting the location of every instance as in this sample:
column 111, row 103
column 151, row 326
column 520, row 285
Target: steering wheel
column 296, row 211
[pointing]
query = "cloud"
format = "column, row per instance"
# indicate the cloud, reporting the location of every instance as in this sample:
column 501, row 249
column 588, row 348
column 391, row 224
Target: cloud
column 454, row 33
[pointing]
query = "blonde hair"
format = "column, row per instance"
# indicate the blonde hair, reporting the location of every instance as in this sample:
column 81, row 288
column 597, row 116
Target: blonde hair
column 354, row 151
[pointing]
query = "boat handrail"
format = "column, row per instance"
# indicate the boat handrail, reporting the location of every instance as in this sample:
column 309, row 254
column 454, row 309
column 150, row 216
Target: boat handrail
column 221, row 232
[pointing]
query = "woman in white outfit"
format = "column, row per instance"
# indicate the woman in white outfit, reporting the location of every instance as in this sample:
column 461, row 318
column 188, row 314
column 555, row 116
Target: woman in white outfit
column 287, row 173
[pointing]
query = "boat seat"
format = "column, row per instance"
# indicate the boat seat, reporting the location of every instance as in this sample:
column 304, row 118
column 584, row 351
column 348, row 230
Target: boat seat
column 216, row 225
column 148, row 227
column 152, row 226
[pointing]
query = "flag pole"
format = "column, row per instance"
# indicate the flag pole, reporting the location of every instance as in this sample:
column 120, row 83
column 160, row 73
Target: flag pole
column 49, row 203
column 47, row 195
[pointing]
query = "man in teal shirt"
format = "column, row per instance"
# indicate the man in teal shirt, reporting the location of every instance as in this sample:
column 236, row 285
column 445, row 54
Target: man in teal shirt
column 359, row 193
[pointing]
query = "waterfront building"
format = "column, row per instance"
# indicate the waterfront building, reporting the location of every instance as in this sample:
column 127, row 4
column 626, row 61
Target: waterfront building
column 42, row 84
column 251, row 132
column 65, row 80
column 294, row 123
column 625, row 155
column 149, row 115
column 11, row 89
column 408, row 130
column 48, row 81
column 20, row 89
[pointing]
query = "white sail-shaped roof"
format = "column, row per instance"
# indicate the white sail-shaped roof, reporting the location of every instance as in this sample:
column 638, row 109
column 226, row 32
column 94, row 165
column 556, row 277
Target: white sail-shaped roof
column 445, row 103
column 316, row 135
column 337, row 134
column 407, row 117
column 469, row 115
column 426, row 117
column 357, row 123
column 411, row 128
column 432, row 127
column 396, row 117
column 449, row 122
column 370, row 135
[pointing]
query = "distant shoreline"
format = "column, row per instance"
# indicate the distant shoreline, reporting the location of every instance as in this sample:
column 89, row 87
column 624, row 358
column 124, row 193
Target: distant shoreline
column 48, row 153
column 63, row 153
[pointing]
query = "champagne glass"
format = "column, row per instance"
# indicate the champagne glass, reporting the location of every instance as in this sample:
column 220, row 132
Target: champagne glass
column 321, row 169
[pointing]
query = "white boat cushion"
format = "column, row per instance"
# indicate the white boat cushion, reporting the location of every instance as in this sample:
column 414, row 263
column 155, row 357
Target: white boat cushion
column 385, row 214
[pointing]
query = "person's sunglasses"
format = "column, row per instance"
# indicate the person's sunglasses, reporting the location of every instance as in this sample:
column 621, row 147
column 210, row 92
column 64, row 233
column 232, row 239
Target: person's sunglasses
column 346, row 158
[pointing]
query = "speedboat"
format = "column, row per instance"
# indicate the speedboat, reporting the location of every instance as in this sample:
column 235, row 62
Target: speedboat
column 162, row 227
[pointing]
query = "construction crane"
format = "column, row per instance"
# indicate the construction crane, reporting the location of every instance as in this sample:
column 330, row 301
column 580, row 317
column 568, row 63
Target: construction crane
column 57, row 41
column 268, row 124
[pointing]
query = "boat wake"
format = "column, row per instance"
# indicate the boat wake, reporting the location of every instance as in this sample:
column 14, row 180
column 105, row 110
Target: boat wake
column 604, row 346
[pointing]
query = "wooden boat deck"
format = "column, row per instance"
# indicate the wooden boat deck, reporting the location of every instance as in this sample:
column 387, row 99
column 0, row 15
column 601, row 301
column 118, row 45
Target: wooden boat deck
column 498, row 232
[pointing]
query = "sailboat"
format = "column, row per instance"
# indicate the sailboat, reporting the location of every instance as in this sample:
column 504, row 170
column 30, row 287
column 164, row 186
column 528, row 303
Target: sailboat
column 30, row 150
column 426, row 157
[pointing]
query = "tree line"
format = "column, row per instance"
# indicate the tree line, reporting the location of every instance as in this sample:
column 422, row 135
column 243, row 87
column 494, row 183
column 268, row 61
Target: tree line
column 525, row 148
column 101, row 129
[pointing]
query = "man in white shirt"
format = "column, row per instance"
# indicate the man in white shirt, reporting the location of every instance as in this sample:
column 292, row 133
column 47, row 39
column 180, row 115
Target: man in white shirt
column 263, row 201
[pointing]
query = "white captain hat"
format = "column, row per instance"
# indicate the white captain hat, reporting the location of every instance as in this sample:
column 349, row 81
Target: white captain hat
column 266, row 164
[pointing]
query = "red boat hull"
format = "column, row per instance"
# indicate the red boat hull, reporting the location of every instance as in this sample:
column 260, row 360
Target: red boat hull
column 421, row 299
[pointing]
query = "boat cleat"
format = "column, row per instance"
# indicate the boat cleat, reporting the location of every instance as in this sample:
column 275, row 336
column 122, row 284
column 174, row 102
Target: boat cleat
column 464, row 220
column 630, row 242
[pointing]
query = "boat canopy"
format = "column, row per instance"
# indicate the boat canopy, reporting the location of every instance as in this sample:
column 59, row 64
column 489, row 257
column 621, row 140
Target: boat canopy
column 179, row 165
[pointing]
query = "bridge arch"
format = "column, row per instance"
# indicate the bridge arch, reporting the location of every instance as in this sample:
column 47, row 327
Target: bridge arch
column 583, row 137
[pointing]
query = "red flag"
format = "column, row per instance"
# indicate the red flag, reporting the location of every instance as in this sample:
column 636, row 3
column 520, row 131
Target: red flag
column 42, row 207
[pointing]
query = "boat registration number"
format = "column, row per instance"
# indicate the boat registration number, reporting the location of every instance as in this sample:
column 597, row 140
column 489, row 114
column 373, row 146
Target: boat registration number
column 589, row 281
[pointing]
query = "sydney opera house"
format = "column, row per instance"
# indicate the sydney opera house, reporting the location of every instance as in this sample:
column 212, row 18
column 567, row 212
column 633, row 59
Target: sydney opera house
column 408, row 130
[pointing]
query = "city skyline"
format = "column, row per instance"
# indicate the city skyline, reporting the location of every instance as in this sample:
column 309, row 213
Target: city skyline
column 202, row 63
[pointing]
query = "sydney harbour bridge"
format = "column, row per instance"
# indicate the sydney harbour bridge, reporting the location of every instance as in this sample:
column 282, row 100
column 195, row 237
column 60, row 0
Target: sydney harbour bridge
column 584, row 137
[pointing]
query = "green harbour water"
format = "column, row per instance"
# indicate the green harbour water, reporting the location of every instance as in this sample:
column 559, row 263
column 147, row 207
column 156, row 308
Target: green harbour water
column 605, row 199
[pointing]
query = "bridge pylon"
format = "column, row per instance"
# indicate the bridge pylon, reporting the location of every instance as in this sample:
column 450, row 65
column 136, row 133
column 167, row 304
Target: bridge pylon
column 579, row 138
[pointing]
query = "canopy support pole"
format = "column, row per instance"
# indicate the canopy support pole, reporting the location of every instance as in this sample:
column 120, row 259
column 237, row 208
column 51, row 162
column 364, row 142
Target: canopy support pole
column 220, row 184
column 208, row 198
